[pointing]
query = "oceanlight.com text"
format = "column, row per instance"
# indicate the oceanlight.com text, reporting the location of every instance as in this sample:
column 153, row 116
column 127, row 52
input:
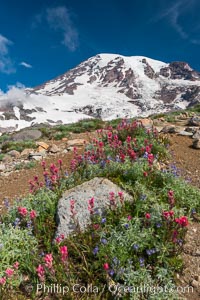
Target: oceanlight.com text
column 114, row 289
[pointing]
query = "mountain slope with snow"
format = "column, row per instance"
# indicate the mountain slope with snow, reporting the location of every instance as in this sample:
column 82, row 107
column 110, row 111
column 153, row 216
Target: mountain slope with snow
column 105, row 86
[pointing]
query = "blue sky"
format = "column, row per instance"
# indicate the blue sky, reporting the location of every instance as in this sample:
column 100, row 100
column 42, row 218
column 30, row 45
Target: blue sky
column 40, row 40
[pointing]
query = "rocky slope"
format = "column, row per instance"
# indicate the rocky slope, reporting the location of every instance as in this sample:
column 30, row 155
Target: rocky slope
column 105, row 86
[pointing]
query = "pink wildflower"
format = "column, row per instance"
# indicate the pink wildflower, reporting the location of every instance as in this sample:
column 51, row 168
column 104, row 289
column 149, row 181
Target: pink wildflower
column 40, row 272
column 64, row 253
column 16, row 265
column 9, row 272
column 72, row 210
column 22, row 211
column 2, row 280
column 33, row 214
column 106, row 266
column 121, row 196
column 91, row 205
column 48, row 260
column 60, row 162
column 147, row 216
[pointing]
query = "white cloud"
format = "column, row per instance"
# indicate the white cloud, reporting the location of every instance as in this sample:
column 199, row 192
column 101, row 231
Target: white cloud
column 173, row 14
column 6, row 64
column 59, row 19
column 26, row 65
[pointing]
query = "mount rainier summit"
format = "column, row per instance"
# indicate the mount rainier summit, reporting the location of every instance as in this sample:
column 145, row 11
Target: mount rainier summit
column 106, row 86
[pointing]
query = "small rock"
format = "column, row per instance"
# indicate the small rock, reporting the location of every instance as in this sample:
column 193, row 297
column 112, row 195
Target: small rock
column 197, row 278
column 147, row 123
column 26, row 152
column 198, row 252
column 2, row 167
column 53, row 149
column 195, row 283
column 169, row 129
column 185, row 133
column 76, row 142
column 64, row 139
column 37, row 155
column 196, row 135
column 14, row 154
column 7, row 158
column 196, row 144
column 194, row 121
column 42, row 145
column 191, row 129
column 41, row 149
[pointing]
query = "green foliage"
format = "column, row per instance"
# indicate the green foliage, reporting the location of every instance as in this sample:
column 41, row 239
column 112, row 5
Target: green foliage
column 18, row 146
column 23, row 165
column 131, row 244
column 4, row 138
column 1, row 156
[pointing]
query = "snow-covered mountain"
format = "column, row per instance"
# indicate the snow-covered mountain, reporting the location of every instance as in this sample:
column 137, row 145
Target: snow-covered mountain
column 105, row 86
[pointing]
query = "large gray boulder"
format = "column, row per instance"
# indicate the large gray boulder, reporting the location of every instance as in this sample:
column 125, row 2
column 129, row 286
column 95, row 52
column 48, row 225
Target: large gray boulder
column 27, row 134
column 99, row 188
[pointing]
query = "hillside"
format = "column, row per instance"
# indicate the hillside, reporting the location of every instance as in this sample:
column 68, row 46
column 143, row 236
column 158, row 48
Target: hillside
column 132, row 155
column 106, row 86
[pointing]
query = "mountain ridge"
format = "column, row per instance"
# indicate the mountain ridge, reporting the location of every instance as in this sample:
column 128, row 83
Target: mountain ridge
column 105, row 86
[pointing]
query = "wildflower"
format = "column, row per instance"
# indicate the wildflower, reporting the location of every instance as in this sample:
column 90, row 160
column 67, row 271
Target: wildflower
column 9, row 272
column 35, row 178
column 135, row 246
column 95, row 250
column 60, row 162
column 33, row 214
column 184, row 221
column 22, row 211
column 145, row 174
column 58, row 240
column 148, row 252
column 129, row 218
column 126, row 226
column 103, row 220
column 112, row 198
column 121, row 196
column 106, row 266
column 111, row 272
column 91, row 205
column 16, row 222
column 2, row 280
column 171, row 198
column 143, row 197
column 150, row 159
column 96, row 226
column 48, row 260
column 43, row 164
column 64, row 253
column 72, row 210
column 16, row 265
column 147, row 216
column 104, row 241
column 40, row 272
column 158, row 225
column 141, row 260
column 6, row 203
